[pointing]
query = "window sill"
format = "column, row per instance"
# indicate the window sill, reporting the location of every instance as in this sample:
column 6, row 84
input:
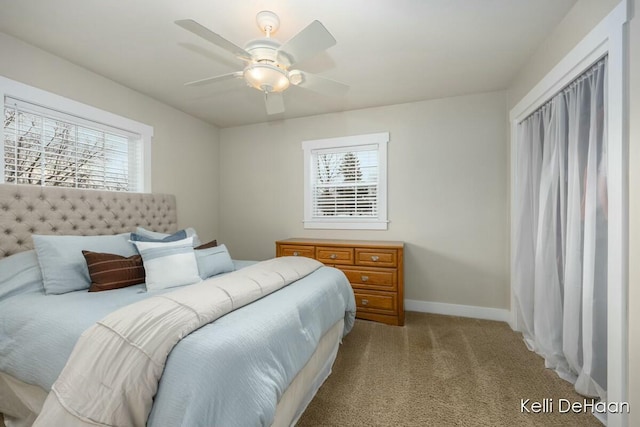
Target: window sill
column 346, row 225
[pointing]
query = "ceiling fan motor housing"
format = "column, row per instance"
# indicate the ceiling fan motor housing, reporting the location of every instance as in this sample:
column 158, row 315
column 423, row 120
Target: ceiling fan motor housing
column 263, row 50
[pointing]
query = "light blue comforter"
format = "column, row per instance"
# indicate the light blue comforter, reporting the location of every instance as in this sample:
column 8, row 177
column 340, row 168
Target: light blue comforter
column 229, row 373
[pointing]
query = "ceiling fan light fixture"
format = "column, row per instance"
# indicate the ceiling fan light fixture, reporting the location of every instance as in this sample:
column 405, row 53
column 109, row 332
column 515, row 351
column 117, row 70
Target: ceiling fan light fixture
column 266, row 77
column 295, row 77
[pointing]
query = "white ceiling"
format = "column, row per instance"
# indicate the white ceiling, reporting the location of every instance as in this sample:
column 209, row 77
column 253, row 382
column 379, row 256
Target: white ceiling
column 388, row 51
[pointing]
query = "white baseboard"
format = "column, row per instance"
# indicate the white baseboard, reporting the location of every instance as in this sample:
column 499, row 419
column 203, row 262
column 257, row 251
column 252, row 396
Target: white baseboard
column 486, row 313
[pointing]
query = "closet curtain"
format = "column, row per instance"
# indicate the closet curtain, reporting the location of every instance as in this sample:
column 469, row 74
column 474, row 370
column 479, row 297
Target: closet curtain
column 560, row 261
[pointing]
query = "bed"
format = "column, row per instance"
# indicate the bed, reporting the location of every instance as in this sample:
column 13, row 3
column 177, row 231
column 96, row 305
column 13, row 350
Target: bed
column 260, row 364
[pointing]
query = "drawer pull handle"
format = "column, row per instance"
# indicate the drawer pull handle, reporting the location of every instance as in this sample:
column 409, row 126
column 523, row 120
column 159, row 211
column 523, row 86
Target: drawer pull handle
column 364, row 301
column 364, row 278
column 296, row 253
column 333, row 256
column 375, row 258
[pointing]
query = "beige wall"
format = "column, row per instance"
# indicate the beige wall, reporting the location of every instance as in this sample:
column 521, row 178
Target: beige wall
column 634, row 215
column 580, row 20
column 584, row 15
column 184, row 149
column 447, row 191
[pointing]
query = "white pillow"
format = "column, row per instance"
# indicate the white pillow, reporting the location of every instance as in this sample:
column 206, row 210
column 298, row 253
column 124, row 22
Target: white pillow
column 159, row 236
column 168, row 264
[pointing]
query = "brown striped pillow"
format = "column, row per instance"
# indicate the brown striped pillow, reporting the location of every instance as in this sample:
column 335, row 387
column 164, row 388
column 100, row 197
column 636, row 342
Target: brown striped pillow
column 109, row 271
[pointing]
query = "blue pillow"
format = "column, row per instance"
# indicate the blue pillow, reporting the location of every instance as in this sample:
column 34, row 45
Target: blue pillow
column 157, row 237
column 180, row 235
column 63, row 266
column 20, row 273
column 168, row 264
column 212, row 261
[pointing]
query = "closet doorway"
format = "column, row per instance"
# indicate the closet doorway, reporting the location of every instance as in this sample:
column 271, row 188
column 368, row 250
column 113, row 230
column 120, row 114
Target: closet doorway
column 603, row 206
column 560, row 253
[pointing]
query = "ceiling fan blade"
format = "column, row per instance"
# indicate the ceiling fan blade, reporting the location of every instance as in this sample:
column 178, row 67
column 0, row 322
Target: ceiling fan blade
column 223, row 77
column 314, row 39
column 274, row 103
column 218, row 40
column 321, row 84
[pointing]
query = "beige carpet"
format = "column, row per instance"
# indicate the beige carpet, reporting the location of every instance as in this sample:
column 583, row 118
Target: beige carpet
column 438, row 371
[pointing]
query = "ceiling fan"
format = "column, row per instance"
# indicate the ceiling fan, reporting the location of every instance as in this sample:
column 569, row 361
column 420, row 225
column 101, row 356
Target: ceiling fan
column 268, row 61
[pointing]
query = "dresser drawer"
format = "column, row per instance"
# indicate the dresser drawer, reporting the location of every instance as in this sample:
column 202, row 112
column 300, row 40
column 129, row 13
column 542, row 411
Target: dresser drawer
column 293, row 250
column 370, row 278
column 331, row 255
column 383, row 303
column 377, row 257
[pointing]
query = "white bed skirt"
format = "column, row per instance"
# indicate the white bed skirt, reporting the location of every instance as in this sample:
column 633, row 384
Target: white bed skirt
column 21, row 403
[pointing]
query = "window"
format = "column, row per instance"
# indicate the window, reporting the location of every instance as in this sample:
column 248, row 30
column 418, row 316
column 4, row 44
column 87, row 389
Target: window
column 346, row 182
column 52, row 141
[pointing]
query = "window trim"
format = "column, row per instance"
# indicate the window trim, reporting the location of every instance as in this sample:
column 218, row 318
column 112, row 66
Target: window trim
column 340, row 143
column 13, row 89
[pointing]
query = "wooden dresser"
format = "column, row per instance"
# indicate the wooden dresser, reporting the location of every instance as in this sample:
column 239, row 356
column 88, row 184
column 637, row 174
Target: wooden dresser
column 374, row 269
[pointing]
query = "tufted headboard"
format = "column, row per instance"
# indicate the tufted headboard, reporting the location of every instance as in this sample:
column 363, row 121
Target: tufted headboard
column 31, row 209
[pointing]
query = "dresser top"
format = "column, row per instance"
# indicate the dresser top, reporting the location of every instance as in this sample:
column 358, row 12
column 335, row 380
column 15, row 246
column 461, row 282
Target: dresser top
column 342, row 242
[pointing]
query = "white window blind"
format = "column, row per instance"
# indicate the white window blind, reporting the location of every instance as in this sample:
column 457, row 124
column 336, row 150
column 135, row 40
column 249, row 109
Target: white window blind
column 345, row 182
column 46, row 147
